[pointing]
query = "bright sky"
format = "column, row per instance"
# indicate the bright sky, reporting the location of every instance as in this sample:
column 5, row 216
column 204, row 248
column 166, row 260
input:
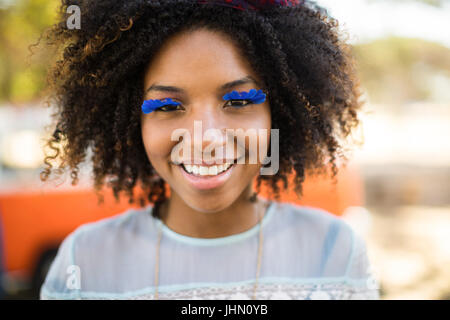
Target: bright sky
column 366, row 20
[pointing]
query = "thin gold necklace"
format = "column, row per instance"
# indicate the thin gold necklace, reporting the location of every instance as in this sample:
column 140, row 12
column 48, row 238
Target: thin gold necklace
column 258, row 264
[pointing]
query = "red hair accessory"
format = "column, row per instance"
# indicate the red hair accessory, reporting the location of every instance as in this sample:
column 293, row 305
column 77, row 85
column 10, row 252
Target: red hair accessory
column 253, row 4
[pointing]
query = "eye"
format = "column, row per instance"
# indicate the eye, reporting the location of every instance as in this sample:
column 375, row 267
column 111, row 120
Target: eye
column 169, row 108
column 164, row 105
column 238, row 103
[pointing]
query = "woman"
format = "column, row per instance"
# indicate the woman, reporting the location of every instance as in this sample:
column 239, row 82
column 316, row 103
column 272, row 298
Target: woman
column 143, row 83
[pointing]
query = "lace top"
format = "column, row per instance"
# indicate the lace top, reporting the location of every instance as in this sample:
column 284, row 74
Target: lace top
column 308, row 253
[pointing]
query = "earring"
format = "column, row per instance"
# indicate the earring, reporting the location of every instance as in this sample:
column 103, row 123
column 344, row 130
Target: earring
column 253, row 197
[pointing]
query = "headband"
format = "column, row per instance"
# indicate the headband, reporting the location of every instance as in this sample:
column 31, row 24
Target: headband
column 253, row 4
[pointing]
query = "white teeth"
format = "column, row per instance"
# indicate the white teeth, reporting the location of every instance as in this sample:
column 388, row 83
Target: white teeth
column 204, row 170
column 212, row 170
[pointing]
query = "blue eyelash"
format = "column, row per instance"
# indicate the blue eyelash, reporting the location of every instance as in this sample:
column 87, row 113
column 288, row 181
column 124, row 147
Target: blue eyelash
column 256, row 96
column 151, row 105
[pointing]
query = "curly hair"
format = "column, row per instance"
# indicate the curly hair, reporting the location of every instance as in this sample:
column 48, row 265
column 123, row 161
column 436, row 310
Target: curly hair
column 97, row 85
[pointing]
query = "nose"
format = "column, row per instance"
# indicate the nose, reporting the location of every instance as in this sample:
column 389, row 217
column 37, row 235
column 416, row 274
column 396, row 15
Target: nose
column 208, row 132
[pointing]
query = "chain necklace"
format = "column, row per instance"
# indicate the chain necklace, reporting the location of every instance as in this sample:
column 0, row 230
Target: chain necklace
column 258, row 264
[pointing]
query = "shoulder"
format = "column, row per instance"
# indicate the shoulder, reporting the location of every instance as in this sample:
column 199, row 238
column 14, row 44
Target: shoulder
column 91, row 250
column 120, row 225
column 333, row 249
column 328, row 240
column 316, row 220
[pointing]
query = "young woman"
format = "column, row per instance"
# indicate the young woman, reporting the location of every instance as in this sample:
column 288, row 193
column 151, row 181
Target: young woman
column 138, row 72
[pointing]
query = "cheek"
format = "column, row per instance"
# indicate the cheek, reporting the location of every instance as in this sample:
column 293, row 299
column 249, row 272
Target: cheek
column 262, row 121
column 258, row 117
column 156, row 141
column 259, row 121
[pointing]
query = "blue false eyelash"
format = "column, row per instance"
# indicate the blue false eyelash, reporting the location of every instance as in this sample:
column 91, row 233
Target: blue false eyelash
column 256, row 96
column 151, row 105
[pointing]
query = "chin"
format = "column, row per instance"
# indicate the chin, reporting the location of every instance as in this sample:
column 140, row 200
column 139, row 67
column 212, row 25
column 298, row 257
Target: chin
column 209, row 204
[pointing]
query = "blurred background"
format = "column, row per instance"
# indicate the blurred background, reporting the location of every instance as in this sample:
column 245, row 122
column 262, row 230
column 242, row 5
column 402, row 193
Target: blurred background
column 395, row 192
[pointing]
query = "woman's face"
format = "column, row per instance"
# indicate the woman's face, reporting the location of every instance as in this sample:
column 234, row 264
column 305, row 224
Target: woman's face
column 192, row 69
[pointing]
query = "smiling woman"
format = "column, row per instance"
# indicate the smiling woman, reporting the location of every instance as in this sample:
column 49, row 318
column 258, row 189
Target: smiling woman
column 136, row 74
column 190, row 60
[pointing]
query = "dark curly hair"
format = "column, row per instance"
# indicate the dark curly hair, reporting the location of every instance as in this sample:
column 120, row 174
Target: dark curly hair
column 97, row 85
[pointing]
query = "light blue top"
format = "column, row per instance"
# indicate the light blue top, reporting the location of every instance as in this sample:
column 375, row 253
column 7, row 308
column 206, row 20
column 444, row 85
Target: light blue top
column 307, row 253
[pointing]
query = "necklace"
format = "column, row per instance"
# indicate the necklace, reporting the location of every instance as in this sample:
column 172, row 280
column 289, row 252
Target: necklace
column 258, row 263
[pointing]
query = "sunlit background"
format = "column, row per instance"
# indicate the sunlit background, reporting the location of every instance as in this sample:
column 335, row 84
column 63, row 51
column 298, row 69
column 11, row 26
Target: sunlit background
column 403, row 58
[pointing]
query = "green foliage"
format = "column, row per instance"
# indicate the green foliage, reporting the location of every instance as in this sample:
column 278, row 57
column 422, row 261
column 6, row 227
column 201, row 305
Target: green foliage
column 22, row 76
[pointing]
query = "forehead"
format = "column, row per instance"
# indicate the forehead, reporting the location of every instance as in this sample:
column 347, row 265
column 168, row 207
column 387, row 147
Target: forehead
column 200, row 56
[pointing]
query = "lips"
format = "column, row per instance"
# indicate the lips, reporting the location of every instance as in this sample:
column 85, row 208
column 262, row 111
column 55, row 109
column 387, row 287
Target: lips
column 203, row 170
column 206, row 181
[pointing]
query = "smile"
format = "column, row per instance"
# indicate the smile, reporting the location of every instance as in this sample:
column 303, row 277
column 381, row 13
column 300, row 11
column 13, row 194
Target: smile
column 206, row 170
column 206, row 177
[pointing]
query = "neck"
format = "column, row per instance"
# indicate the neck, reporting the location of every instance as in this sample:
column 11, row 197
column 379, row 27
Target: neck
column 242, row 215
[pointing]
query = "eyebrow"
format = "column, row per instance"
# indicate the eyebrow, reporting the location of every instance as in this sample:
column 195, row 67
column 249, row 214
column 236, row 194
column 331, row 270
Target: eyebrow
column 226, row 86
